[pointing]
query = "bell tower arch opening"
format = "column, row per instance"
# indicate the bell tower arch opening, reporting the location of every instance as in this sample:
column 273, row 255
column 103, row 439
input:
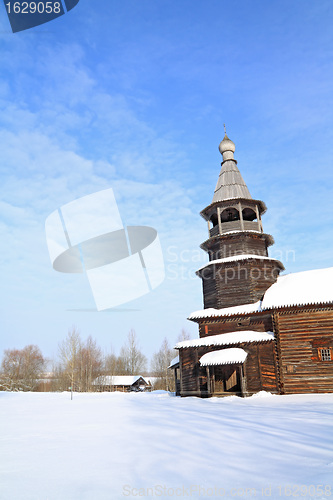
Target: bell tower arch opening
column 249, row 215
column 229, row 215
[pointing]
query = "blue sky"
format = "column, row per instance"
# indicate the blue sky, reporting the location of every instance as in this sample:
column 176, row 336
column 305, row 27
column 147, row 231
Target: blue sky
column 133, row 95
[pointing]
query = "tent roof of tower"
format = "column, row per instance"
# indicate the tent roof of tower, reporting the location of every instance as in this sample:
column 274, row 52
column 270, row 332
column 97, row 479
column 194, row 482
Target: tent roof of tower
column 230, row 184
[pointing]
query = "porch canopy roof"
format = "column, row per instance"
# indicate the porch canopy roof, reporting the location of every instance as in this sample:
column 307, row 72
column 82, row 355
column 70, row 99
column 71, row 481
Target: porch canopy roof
column 174, row 362
column 223, row 357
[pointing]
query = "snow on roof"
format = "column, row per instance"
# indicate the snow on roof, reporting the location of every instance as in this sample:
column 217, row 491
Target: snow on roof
column 240, row 231
column 307, row 287
column 174, row 362
column 227, row 339
column 123, row 380
column 224, row 357
column 295, row 289
column 237, row 257
column 226, row 311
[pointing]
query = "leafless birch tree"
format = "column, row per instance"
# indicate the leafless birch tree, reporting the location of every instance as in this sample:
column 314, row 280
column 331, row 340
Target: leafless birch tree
column 134, row 361
column 159, row 366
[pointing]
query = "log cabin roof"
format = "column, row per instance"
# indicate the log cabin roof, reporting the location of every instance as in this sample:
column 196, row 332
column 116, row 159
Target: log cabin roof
column 290, row 290
column 223, row 357
column 231, row 338
column 119, row 380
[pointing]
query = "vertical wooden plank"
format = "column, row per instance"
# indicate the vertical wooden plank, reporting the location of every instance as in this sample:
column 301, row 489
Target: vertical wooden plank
column 197, row 372
column 259, row 367
column 241, row 215
column 219, row 219
column 208, row 379
column 242, row 380
column 275, row 318
column 181, row 371
column 258, row 219
column 213, row 380
column 175, row 374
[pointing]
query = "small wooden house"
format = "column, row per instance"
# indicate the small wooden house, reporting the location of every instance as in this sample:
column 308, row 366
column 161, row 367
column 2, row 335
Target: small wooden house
column 122, row 383
column 258, row 331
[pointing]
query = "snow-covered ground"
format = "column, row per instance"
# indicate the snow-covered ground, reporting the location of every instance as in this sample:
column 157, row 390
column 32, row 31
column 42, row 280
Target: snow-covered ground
column 115, row 446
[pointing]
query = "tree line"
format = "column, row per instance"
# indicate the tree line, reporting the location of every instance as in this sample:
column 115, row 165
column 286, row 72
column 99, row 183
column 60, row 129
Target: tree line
column 79, row 363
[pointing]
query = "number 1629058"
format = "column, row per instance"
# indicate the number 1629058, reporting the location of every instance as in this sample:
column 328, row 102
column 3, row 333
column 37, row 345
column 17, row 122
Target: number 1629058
column 33, row 7
column 302, row 490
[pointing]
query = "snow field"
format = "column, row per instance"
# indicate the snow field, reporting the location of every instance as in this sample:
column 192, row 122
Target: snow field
column 110, row 446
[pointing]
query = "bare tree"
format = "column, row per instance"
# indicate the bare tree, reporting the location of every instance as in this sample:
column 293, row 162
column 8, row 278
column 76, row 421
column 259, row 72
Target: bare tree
column 90, row 364
column 110, row 364
column 159, row 366
column 21, row 369
column 69, row 354
column 80, row 362
column 134, row 361
column 114, row 365
column 184, row 335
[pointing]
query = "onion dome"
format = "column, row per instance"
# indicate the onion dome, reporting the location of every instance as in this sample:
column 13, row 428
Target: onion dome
column 226, row 145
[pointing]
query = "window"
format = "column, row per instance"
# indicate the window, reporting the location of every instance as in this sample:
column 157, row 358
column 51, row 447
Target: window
column 244, row 322
column 325, row 353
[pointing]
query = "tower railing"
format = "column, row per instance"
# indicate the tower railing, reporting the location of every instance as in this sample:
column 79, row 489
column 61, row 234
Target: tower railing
column 235, row 226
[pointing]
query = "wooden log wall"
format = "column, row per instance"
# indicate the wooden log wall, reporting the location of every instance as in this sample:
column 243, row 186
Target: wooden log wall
column 209, row 289
column 268, row 367
column 260, row 368
column 189, row 372
column 244, row 282
column 241, row 282
column 239, row 244
column 300, row 333
column 261, row 322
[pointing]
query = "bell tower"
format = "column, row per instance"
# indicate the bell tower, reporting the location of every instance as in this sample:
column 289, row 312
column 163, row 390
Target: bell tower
column 239, row 269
